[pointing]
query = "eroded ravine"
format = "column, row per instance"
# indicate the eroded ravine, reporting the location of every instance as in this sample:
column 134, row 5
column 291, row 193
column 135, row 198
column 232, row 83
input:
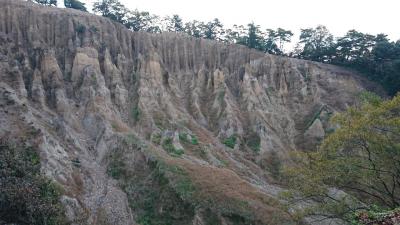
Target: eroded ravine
column 137, row 126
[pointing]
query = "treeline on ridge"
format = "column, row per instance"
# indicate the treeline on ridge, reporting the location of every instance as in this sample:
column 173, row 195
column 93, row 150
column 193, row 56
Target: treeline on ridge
column 375, row 56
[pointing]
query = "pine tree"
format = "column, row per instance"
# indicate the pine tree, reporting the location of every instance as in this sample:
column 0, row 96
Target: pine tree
column 112, row 9
column 75, row 4
column 47, row 2
column 317, row 44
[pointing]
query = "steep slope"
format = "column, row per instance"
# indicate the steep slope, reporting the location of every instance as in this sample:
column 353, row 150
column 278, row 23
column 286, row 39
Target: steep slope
column 159, row 129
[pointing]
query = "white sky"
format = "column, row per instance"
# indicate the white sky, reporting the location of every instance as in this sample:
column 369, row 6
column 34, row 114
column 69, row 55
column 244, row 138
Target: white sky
column 339, row 16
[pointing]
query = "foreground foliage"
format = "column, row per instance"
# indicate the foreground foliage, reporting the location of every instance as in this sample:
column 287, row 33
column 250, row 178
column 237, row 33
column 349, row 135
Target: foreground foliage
column 377, row 216
column 361, row 158
column 26, row 196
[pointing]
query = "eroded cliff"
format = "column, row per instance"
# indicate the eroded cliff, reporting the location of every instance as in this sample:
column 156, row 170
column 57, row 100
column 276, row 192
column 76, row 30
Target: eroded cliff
column 159, row 129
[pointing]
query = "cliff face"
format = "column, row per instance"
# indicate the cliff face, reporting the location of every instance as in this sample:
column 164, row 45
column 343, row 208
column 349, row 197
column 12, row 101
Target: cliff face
column 113, row 111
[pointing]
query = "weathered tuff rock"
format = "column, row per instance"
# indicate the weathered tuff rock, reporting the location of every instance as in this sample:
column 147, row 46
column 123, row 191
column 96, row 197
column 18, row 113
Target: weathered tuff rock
column 88, row 87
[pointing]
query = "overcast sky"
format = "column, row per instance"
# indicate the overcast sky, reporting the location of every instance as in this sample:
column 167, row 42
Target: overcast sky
column 368, row 16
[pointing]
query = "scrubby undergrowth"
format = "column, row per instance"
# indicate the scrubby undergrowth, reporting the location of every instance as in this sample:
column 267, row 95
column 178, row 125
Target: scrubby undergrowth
column 27, row 197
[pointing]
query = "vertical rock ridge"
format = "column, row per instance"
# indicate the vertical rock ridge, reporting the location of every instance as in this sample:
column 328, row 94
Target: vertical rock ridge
column 89, row 86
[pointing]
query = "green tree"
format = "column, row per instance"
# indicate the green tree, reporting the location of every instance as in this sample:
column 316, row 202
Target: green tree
column 142, row 21
column 47, row 2
column 213, row 30
column 284, row 36
column 254, row 37
column 75, row 4
column 317, row 44
column 361, row 158
column 236, row 35
column 175, row 24
column 355, row 48
column 375, row 56
column 384, row 66
column 271, row 45
column 112, row 9
column 250, row 36
column 276, row 39
column 194, row 28
column 384, row 50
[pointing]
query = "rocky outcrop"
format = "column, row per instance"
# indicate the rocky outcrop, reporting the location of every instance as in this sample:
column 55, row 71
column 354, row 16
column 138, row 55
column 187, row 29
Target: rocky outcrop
column 86, row 83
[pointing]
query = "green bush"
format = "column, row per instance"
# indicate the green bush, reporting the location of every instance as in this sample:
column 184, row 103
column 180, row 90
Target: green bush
column 156, row 138
column 27, row 197
column 136, row 113
column 253, row 141
column 230, row 141
column 80, row 29
column 165, row 200
column 178, row 152
column 374, row 215
column 274, row 165
column 183, row 137
column 116, row 167
column 170, row 148
column 194, row 140
column 181, row 183
column 167, row 145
